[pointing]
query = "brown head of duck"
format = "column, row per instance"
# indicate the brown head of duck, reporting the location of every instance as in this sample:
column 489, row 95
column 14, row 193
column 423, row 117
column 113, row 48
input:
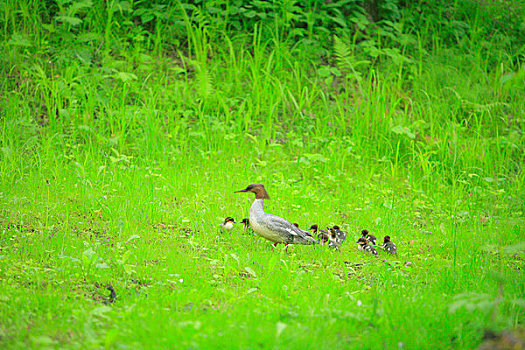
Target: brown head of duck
column 258, row 189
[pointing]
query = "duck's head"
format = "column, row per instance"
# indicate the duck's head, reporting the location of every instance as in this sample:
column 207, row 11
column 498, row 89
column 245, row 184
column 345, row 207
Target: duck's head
column 245, row 221
column 364, row 233
column 296, row 224
column 333, row 232
column 258, row 189
column 229, row 219
column 386, row 240
column 361, row 241
column 337, row 228
column 313, row 228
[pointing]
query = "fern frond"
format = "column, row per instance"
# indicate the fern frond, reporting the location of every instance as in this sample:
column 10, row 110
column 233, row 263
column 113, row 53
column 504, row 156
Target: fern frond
column 343, row 55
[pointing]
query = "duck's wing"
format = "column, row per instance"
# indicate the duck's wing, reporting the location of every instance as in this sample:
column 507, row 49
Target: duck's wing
column 341, row 236
column 371, row 249
column 288, row 231
column 390, row 248
column 333, row 244
column 322, row 236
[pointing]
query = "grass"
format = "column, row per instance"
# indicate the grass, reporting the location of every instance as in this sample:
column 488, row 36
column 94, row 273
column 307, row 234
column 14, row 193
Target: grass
column 185, row 283
column 120, row 155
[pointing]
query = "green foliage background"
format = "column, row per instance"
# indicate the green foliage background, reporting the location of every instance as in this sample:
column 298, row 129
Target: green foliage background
column 431, row 85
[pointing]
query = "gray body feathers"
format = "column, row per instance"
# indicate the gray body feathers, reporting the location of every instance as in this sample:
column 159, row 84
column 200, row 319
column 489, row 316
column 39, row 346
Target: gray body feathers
column 390, row 247
column 275, row 228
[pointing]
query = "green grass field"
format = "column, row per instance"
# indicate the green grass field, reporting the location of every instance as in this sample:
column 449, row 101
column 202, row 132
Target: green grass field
column 125, row 129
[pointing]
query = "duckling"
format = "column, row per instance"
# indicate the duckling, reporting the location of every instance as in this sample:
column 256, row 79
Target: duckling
column 246, row 226
column 321, row 235
column 365, row 247
column 341, row 236
column 336, row 237
column 333, row 240
column 370, row 238
column 272, row 227
column 228, row 224
column 389, row 246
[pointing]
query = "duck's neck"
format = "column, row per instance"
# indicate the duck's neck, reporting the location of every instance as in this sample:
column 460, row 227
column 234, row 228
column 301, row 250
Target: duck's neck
column 260, row 193
column 257, row 208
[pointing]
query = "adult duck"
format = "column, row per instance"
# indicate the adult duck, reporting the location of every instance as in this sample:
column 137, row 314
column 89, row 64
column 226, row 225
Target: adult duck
column 273, row 227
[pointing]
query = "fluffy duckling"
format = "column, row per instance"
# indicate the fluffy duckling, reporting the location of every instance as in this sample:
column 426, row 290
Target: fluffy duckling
column 273, row 227
column 321, row 235
column 333, row 240
column 336, row 237
column 370, row 238
column 389, row 246
column 228, row 224
column 341, row 235
column 365, row 247
column 246, row 226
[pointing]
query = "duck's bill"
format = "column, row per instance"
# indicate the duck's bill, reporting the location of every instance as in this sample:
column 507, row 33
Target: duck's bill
column 245, row 190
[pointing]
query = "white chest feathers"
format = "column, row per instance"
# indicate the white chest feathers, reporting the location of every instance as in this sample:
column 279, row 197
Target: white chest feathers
column 227, row 225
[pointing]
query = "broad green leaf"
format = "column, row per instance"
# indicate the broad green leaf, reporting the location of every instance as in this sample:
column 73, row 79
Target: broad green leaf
column 73, row 21
column 102, row 265
column 89, row 253
column 250, row 271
